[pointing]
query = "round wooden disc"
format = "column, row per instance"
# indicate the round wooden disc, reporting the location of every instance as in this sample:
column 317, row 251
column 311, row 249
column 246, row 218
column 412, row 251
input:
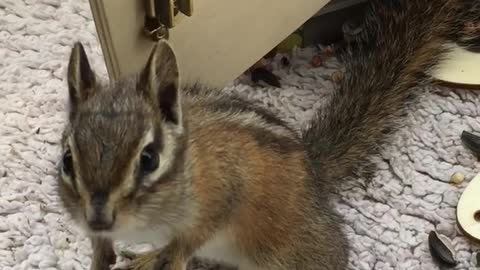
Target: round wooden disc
column 468, row 210
column 460, row 67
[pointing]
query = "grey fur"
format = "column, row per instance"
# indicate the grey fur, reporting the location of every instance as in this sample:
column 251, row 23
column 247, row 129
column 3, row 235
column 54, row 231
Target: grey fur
column 400, row 43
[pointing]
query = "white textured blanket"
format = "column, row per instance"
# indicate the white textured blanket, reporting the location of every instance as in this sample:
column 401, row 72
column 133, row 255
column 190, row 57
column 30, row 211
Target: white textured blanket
column 387, row 223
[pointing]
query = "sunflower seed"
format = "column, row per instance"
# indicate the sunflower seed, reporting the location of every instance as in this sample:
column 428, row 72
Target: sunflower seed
column 472, row 142
column 441, row 249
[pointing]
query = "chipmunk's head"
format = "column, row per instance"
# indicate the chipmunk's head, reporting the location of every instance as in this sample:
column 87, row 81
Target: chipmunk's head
column 123, row 148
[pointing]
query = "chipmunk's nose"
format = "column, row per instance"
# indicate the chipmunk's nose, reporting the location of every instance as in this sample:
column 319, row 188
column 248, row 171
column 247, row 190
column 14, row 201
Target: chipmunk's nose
column 100, row 224
column 99, row 217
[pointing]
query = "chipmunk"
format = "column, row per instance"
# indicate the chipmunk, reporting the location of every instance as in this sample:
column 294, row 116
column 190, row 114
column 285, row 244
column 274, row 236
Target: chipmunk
column 206, row 174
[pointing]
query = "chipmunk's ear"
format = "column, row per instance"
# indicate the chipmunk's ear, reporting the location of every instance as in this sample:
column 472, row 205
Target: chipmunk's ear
column 81, row 79
column 160, row 81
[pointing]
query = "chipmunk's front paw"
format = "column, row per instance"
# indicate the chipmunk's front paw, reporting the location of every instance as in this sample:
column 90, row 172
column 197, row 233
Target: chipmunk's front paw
column 153, row 260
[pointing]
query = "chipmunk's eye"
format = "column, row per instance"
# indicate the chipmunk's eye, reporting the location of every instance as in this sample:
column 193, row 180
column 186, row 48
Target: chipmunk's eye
column 149, row 159
column 68, row 163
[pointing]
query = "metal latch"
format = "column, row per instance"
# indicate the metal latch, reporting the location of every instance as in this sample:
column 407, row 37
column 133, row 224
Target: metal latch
column 161, row 15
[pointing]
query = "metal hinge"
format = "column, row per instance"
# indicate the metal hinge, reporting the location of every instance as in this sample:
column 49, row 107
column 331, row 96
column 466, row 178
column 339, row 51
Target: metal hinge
column 161, row 15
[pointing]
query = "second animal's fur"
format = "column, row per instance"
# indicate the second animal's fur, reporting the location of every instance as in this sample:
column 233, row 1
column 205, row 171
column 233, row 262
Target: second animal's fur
column 206, row 174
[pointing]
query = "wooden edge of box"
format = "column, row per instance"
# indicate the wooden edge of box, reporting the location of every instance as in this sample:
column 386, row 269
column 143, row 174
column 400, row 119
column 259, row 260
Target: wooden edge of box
column 103, row 34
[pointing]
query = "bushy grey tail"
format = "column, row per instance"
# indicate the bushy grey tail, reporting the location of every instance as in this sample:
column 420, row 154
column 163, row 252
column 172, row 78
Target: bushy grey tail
column 400, row 41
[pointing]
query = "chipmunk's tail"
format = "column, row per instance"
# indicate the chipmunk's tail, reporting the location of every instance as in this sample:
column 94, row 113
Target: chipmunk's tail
column 400, row 42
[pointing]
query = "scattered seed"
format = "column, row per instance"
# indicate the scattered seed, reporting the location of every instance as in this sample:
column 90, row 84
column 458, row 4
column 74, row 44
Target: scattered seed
column 472, row 142
column 38, row 131
column 285, row 62
column 441, row 249
column 337, row 76
column 457, row 178
column 328, row 51
column 262, row 74
column 317, row 61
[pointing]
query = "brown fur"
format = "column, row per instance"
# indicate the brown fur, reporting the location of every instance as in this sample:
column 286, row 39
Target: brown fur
column 103, row 254
column 233, row 178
